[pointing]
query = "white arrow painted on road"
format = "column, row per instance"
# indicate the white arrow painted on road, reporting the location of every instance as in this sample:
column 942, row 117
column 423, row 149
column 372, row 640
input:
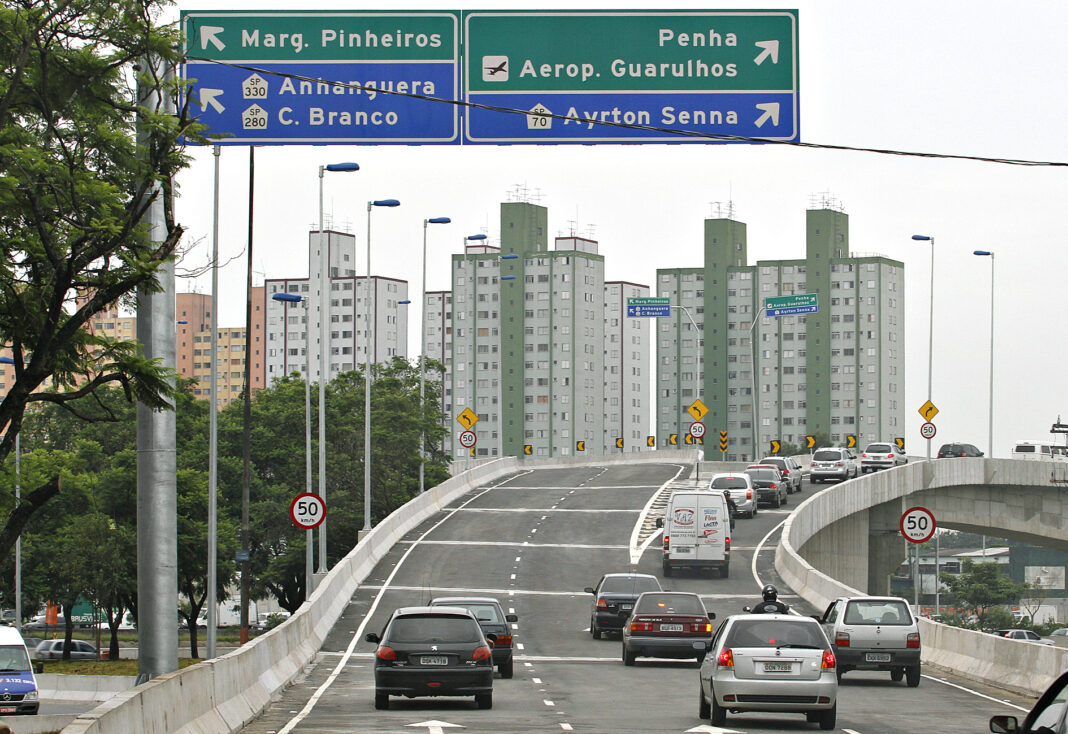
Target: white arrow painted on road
column 436, row 727
column 771, row 109
column 706, row 729
column 771, row 48
column 209, row 33
column 207, row 97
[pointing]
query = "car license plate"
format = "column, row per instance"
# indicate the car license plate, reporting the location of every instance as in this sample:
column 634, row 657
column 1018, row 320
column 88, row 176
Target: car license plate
column 8, row 709
column 877, row 657
column 433, row 660
column 778, row 667
column 671, row 628
column 626, row 606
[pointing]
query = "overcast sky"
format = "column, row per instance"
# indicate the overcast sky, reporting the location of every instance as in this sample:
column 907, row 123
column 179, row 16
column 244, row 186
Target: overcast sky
column 957, row 78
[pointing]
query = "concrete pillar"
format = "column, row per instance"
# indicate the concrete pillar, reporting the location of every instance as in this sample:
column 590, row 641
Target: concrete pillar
column 886, row 547
column 841, row 550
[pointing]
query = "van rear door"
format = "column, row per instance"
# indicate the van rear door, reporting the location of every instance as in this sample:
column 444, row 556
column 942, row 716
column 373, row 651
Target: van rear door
column 713, row 527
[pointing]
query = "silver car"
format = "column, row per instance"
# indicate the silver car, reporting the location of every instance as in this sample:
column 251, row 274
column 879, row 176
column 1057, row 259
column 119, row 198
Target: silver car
column 53, row 650
column 832, row 463
column 874, row 633
column 788, row 468
column 881, row 456
column 741, row 491
column 769, row 663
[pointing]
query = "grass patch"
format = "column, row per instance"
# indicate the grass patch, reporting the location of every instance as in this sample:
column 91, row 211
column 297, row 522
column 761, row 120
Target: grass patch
column 100, row 667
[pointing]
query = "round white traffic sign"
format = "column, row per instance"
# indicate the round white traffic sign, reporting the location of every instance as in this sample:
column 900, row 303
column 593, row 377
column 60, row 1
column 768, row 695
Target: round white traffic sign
column 918, row 524
column 697, row 430
column 307, row 511
column 468, row 439
column 928, row 430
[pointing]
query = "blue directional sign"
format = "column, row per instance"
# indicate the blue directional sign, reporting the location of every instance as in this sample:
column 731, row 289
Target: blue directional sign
column 324, row 77
column 649, row 307
column 630, row 76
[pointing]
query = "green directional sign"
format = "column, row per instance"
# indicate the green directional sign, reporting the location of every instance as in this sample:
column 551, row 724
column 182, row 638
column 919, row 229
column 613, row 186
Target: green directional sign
column 797, row 303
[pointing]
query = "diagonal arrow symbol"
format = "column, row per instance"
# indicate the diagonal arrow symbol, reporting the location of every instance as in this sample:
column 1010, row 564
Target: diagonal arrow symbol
column 208, row 97
column 771, row 110
column 209, row 33
column 771, row 48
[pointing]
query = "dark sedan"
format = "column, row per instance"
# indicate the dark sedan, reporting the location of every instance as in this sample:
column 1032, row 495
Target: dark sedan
column 432, row 651
column 616, row 594
column 951, row 450
column 493, row 621
column 667, row 624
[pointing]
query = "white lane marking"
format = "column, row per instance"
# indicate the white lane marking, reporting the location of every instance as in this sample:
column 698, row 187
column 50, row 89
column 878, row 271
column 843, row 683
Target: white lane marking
column 975, row 693
column 636, row 552
column 490, row 544
column 519, row 646
column 544, row 516
column 534, row 530
column 542, row 509
column 536, row 681
column 513, row 577
column 292, row 723
column 601, row 486
column 759, row 548
column 565, row 726
column 514, row 625
column 511, row 610
column 851, row 731
column 461, row 591
column 548, row 702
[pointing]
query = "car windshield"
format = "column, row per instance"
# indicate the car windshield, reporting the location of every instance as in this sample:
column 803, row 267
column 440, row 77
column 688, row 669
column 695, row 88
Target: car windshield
column 729, row 483
column 670, row 604
column 433, row 628
column 764, row 475
column 759, row 631
column 629, row 584
column 827, row 456
column 879, row 448
column 872, row 611
column 13, row 657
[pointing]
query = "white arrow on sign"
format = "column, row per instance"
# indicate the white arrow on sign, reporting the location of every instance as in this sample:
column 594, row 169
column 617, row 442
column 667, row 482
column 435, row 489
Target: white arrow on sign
column 207, row 97
column 706, row 729
column 436, row 727
column 209, row 33
column 771, row 48
column 771, row 109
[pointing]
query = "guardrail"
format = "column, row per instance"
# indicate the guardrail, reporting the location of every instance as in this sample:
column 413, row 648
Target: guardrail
column 222, row 695
column 1010, row 664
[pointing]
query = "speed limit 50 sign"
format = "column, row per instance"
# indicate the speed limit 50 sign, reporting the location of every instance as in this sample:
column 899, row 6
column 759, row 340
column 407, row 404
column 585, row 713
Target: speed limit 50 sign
column 307, row 511
column 918, row 524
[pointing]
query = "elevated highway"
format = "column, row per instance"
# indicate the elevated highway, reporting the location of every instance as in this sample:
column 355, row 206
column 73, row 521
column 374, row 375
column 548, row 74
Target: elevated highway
column 533, row 533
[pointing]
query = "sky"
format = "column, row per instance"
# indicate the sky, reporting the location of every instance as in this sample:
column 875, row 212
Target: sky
column 947, row 78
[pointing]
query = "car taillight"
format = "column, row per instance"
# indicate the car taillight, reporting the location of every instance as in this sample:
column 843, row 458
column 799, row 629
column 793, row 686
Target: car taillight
column 841, row 639
column 889, row 456
column 725, row 659
column 505, row 640
column 385, row 653
column 641, row 626
column 838, row 463
column 786, row 472
column 961, row 454
column 864, row 456
column 773, row 486
column 749, row 494
column 828, row 660
column 482, row 652
column 666, row 541
column 727, row 544
column 913, row 639
column 602, row 604
column 706, row 628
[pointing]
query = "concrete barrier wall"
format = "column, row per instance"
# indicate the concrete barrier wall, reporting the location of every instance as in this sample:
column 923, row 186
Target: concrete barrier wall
column 221, row 695
column 1015, row 665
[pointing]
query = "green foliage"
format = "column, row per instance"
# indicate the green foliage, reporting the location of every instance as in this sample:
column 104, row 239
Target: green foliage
column 980, row 587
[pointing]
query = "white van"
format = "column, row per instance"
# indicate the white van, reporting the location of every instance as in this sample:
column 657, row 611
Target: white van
column 697, row 532
column 1035, row 451
column 18, row 685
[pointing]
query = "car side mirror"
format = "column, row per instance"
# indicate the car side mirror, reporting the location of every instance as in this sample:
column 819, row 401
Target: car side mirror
column 589, row 590
column 1004, row 724
column 373, row 637
column 491, row 639
column 711, row 615
column 511, row 618
column 747, row 609
column 660, row 522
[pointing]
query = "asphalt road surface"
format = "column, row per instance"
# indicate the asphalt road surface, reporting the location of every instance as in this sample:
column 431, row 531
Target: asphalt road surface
column 535, row 540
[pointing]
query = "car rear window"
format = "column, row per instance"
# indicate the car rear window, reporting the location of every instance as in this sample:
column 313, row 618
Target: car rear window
column 879, row 448
column 764, row 475
column 629, row 584
column 729, row 483
column 827, row 456
column 482, row 612
column 433, row 628
column 670, row 604
column 1024, row 449
column 781, row 463
column 877, row 612
column 762, row 632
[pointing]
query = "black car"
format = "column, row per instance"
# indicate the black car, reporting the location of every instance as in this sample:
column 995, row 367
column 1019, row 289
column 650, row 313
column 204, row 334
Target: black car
column 433, row 651
column 493, row 621
column 949, row 450
column 616, row 594
column 769, row 485
column 668, row 624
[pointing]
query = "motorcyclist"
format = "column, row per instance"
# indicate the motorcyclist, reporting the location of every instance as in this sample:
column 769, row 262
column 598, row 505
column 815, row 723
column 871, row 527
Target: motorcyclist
column 770, row 603
column 732, row 509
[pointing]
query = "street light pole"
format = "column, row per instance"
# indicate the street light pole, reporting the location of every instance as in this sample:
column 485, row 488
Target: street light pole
column 324, row 347
column 309, row 534
column 372, row 315
column 930, row 326
column 990, row 419
column 422, row 359
column 753, row 349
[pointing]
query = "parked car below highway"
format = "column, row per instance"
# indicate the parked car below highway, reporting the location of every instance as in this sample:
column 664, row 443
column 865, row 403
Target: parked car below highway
column 53, row 650
column 1025, row 635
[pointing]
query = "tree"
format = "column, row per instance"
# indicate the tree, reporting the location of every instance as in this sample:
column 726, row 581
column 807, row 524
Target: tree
column 81, row 161
column 981, row 586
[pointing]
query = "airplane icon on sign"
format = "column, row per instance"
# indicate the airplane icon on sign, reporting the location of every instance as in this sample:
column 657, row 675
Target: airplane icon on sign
column 494, row 70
